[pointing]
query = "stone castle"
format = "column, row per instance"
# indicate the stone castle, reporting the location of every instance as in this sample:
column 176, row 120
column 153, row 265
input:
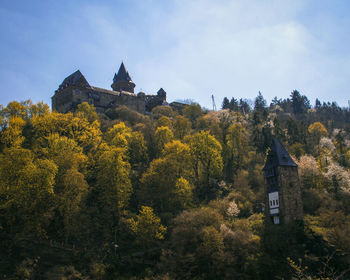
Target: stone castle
column 75, row 89
column 284, row 203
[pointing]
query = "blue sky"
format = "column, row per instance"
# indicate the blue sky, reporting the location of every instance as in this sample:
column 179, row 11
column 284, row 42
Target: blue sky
column 191, row 48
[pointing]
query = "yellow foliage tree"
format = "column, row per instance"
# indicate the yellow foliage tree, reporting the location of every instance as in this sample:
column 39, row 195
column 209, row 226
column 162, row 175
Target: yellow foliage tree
column 160, row 186
column 162, row 135
column 26, row 192
column 147, row 227
column 206, row 160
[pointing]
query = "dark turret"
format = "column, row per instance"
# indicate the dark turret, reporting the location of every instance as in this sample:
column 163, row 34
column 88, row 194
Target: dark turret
column 122, row 80
column 283, row 186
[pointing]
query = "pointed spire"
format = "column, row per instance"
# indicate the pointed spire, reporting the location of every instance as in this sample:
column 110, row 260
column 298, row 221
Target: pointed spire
column 123, row 75
column 278, row 156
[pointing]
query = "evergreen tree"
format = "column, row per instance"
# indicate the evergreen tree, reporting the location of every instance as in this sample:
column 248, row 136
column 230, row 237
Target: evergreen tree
column 259, row 103
column 225, row 104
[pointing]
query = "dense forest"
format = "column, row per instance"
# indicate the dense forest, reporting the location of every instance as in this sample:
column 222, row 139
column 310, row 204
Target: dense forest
column 176, row 194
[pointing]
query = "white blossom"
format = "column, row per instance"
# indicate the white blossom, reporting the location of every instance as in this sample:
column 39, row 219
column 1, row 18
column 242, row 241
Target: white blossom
column 337, row 174
column 327, row 143
column 308, row 166
column 232, row 210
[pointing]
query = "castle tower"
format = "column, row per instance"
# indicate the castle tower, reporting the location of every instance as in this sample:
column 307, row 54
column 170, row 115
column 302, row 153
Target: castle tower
column 284, row 203
column 122, row 81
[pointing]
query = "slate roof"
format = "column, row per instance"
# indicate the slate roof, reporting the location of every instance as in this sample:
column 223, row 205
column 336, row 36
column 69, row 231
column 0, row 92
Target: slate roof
column 161, row 91
column 123, row 75
column 278, row 156
column 112, row 91
column 75, row 79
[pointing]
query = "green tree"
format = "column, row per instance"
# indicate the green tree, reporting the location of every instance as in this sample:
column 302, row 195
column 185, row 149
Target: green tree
column 259, row 103
column 87, row 136
column 160, row 111
column 12, row 135
column 147, row 227
column 206, row 160
column 164, row 121
column 236, row 149
column 87, row 111
column 113, row 189
column 182, row 127
column 165, row 185
column 225, row 103
column 26, row 193
column 192, row 112
column 300, row 103
column 162, row 135
column 316, row 130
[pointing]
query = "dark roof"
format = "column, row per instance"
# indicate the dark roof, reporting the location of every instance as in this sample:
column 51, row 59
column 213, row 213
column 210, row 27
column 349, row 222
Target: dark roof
column 123, row 75
column 278, row 156
column 112, row 91
column 75, row 79
column 161, row 91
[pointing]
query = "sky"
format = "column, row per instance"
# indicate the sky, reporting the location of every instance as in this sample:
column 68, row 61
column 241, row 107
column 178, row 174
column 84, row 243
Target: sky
column 191, row 48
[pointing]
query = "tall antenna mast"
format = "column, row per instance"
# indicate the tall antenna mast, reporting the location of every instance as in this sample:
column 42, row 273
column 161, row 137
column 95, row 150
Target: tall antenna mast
column 213, row 101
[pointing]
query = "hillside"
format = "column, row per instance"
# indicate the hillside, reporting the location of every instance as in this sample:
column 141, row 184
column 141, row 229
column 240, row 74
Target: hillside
column 177, row 194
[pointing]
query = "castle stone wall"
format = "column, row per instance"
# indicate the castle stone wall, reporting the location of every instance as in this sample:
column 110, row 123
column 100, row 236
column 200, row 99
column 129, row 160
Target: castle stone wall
column 290, row 194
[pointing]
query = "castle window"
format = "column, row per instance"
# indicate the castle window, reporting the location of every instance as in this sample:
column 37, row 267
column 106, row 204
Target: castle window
column 273, row 198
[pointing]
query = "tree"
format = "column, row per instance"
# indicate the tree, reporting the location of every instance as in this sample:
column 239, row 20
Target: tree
column 12, row 136
column 26, row 193
column 113, row 189
column 87, row 135
column 300, row 103
column 293, row 131
column 259, row 103
column 316, row 130
column 192, row 112
column 164, row 121
column 317, row 104
column 160, row 111
column 87, row 111
column 225, row 104
column 70, row 185
column 206, row 160
column 244, row 106
column 132, row 142
column 17, row 109
column 234, row 104
column 278, row 131
column 237, row 145
column 147, row 227
column 70, row 202
column 165, row 185
column 137, row 150
column 182, row 127
column 162, row 135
